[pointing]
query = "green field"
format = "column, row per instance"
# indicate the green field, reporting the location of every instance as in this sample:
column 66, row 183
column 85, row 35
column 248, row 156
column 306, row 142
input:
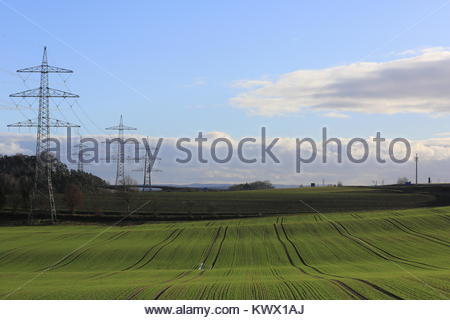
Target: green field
column 383, row 254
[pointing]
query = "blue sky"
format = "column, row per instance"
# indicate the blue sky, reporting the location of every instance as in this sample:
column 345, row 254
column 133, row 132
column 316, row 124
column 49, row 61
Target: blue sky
column 183, row 56
column 170, row 66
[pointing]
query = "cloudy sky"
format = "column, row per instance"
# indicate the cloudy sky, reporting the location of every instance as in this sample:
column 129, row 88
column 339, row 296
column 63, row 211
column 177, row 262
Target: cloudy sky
column 174, row 68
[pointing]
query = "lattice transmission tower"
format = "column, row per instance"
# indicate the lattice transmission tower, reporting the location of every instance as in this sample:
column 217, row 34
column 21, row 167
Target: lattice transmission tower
column 80, row 153
column 43, row 124
column 149, row 168
column 120, row 157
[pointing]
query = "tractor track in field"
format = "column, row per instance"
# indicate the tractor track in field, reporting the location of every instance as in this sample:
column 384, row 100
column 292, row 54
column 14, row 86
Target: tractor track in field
column 65, row 260
column 447, row 218
column 137, row 292
column 203, row 263
column 7, row 253
column 147, row 252
column 294, row 292
column 206, row 253
column 213, row 264
column 417, row 234
column 286, row 283
column 341, row 285
column 372, row 285
column 160, row 245
column 71, row 257
column 160, row 293
column 377, row 251
column 118, row 235
column 164, row 245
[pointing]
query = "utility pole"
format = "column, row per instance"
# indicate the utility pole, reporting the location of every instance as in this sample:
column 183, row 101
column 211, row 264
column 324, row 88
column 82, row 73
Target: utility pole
column 43, row 124
column 417, row 164
column 120, row 172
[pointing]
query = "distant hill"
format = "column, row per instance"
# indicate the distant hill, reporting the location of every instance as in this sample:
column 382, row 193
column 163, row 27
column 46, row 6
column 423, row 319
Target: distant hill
column 222, row 186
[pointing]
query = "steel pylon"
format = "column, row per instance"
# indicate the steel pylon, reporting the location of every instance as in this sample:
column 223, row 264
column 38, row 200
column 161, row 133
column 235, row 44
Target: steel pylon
column 43, row 124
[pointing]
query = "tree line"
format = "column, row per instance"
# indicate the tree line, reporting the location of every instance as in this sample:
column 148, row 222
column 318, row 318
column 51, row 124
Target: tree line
column 17, row 179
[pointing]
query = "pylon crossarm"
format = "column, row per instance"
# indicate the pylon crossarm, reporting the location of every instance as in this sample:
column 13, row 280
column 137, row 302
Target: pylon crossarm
column 28, row 123
column 50, row 93
column 45, row 68
column 54, row 123
column 121, row 128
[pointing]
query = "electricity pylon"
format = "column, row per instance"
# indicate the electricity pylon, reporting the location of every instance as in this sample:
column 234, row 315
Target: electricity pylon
column 120, row 173
column 148, row 169
column 43, row 124
column 80, row 155
column 149, row 163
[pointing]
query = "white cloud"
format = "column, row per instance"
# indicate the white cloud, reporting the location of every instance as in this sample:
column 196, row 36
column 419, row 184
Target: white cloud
column 419, row 51
column 336, row 115
column 418, row 84
column 443, row 134
column 434, row 156
column 250, row 83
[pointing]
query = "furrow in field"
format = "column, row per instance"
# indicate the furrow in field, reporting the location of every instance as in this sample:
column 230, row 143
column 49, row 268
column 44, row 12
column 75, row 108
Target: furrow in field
column 206, row 255
column 373, row 286
column 370, row 247
column 7, row 253
column 410, row 231
column 65, row 260
column 158, row 250
column 210, row 247
column 399, row 259
column 138, row 291
column 294, row 294
column 161, row 244
column 220, row 248
column 103, row 275
column 74, row 255
column 177, row 281
column 375, row 250
column 118, row 235
column 345, row 288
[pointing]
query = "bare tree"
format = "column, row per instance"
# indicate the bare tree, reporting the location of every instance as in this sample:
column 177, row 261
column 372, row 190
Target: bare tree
column 128, row 182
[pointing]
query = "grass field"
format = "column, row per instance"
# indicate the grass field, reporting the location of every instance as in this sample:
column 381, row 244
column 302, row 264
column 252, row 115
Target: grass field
column 385, row 254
